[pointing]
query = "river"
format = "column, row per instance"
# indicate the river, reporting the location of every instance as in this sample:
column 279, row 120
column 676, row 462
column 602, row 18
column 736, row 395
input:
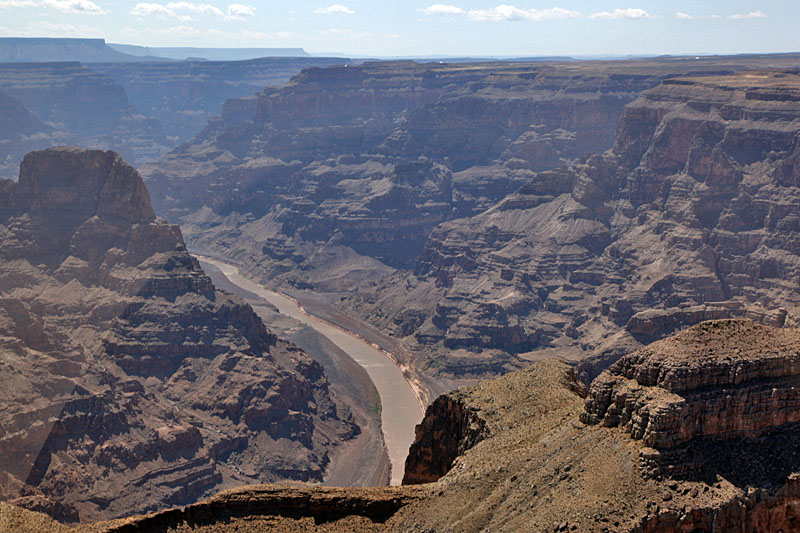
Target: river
column 400, row 408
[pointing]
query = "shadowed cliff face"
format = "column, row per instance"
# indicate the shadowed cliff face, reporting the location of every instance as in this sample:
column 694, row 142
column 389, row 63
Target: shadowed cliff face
column 691, row 216
column 130, row 383
column 184, row 95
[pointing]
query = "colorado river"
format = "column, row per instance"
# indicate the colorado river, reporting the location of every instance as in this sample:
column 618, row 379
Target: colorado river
column 400, row 411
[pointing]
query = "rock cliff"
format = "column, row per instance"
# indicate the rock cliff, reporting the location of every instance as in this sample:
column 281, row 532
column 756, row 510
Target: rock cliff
column 343, row 172
column 539, row 468
column 184, row 95
column 718, row 380
column 690, row 216
column 130, row 383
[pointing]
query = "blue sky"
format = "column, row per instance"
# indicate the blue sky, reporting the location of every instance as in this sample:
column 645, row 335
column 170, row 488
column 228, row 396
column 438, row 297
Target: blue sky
column 448, row 27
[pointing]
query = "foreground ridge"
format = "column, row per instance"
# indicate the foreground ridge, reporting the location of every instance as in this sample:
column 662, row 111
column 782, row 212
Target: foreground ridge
column 537, row 467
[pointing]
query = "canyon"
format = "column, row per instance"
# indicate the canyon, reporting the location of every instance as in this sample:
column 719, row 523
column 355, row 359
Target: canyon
column 615, row 240
column 690, row 216
column 130, row 382
column 454, row 206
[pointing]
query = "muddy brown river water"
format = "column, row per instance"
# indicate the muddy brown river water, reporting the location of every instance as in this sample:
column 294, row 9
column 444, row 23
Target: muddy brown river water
column 400, row 411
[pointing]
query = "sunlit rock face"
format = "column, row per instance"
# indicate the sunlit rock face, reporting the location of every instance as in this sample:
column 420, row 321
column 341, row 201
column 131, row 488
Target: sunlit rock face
column 691, row 216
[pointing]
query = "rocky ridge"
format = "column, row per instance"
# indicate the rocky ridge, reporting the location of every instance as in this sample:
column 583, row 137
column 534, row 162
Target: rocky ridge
column 718, row 380
column 690, row 216
column 130, row 382
column 539, row 468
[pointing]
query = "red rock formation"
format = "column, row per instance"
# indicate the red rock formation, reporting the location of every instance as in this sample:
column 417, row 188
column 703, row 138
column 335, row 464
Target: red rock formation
column 670, row 392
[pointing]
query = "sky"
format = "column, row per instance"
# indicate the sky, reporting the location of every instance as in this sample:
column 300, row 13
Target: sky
column 378, row 28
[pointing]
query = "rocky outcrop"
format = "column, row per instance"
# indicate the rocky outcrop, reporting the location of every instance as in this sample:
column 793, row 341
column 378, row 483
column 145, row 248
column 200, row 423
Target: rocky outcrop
column 689, row 217
column 130, row 382
column 671, row 392
column 717, row 401
column 448, row 429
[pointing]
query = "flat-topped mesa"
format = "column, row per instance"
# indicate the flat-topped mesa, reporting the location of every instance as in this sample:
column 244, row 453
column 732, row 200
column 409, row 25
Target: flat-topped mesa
column 722, row 379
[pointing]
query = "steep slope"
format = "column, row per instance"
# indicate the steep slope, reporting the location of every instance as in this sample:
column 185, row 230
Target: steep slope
column 130, row 383
column 538, row 467
column 20, row 132
column 691, row 216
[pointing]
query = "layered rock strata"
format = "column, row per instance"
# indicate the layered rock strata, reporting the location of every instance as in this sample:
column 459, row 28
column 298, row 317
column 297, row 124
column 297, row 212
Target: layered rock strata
column 537, row 467
column 691, row 216
column 344, row 171
column 729, row 379
column 130, row 383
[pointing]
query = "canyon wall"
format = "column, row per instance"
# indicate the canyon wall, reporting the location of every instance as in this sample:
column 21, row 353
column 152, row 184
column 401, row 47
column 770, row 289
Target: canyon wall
column 454, row 206
column 184, row 95
column 131, row 383
column 73, row 105
column 691, row 216
column 336, row 178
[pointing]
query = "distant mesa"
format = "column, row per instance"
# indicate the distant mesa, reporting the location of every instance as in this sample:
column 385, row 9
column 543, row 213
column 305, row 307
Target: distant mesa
column 207, row 54
column 48, row 49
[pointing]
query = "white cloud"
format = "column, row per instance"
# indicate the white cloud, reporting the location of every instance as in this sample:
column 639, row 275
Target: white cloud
column 240, row 11
column 184, row 10
column 751, row 15
column 509, row 12
column 442, row 9
column 502, row 12
column 630, row 13
column 74, row 6
column 200, row 9
column 86, row 7
column 683, row 16
column 335, row 9
column 144, row 9
column 8, row 4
